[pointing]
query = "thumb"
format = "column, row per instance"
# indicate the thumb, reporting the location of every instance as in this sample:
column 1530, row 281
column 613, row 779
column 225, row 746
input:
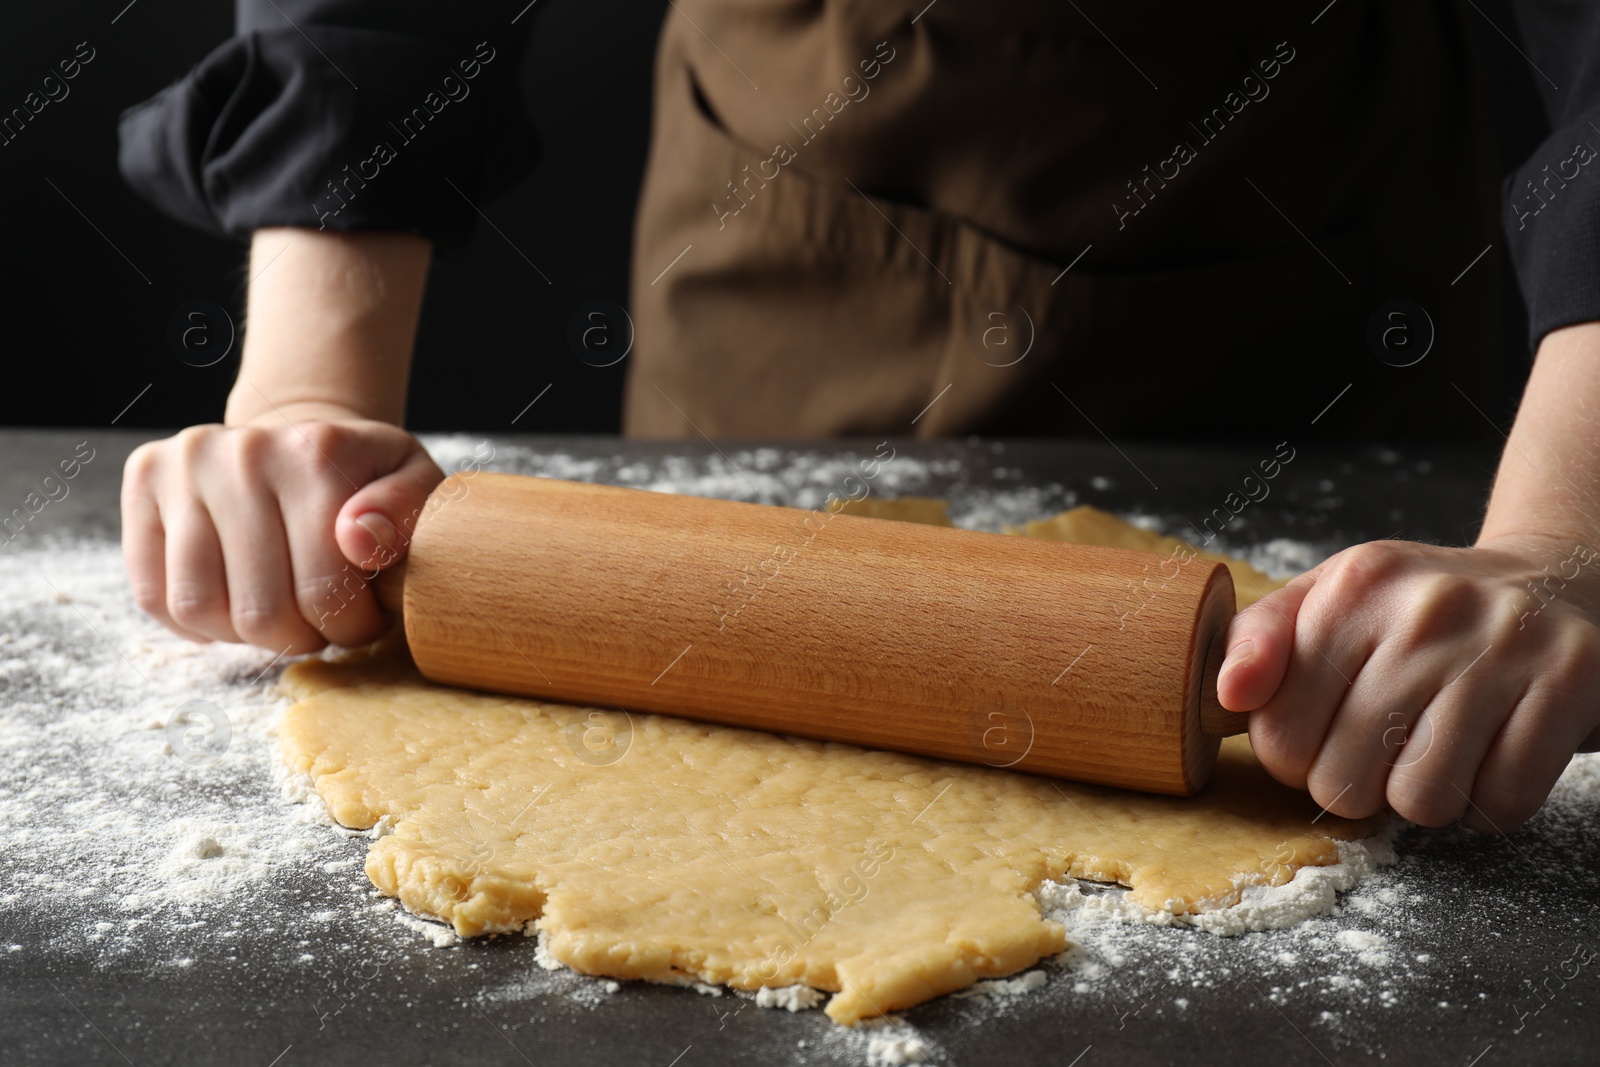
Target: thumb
column 1259, row 641
column 375, row 525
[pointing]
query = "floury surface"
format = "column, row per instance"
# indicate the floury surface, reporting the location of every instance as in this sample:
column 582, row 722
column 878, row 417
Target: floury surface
column 1468, row 947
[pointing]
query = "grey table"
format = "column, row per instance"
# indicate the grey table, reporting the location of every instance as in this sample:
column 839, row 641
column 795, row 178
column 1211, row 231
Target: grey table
column 1490, row 912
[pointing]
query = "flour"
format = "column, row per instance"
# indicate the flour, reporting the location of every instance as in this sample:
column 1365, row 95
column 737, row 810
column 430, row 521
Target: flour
column 896, row 1049
column 1312, row 891
column 99, row 812
column 1370, row 948
column 789, row 998
column 1026, row 982
column 124, row 842
column 802, row 479
column 887, row 1042
column 1331, row 936
column 436, row 934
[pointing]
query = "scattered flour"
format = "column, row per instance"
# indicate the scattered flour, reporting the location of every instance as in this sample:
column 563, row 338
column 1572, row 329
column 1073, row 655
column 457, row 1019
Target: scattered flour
column 789, row 998
column 896, row 1049
column 1026, row 982
column 437, row 934
column 801, row 479
column 1312, row 891
column 113, row 809
column 541, row 953
column 129, row 833
column 1371, row 949
column 886, row 1042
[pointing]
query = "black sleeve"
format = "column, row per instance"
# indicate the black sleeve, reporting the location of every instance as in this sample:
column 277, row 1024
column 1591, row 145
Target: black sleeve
column 340, row 115
column 1552, row 201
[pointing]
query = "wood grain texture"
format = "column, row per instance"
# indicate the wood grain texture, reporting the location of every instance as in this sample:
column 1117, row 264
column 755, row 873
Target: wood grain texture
column 1055, row 658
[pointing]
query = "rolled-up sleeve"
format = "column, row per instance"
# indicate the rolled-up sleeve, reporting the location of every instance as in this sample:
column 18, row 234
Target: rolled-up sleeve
column 1552, row 201
column 342, row 115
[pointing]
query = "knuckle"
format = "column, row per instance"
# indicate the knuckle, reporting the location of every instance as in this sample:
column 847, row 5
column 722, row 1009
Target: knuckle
column 1423, row 800
column 322, row 597
column 140, row 466
column 251, row 446
column 322, row 440
column 1444, row 602
column 1346, row 583
column 1335, row 792
column 151, row 598
column 191, row 443
column 1439, row 607
column 1280, row 750
column 1359, row 570
column 193, row 606
column 1504, row 616
column 258, row 622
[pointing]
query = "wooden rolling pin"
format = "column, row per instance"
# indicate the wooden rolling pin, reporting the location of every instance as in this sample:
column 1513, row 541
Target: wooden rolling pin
column 1096, row 664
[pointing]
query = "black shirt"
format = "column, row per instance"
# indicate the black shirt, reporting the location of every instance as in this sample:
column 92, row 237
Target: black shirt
column 345, row 114
column 339, row 114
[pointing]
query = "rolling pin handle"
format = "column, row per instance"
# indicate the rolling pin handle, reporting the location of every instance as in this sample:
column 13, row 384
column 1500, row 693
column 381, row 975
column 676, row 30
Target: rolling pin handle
column 1216, row 720
column 389, row 587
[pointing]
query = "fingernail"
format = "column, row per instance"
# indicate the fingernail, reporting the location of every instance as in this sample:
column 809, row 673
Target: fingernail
column 379, row 526
column 1237, row 657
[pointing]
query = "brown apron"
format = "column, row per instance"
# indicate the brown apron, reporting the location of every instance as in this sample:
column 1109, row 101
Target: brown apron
column 870, row 217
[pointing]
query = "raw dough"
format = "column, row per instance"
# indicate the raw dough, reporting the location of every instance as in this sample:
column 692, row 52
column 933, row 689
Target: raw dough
column 930, row 511
column 1091, row 526
column 657, row 848
column 1084, row 525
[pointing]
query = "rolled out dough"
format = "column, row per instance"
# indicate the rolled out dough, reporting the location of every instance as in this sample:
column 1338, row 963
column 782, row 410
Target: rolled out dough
column 1084, row 525
column 1091, row 526
column 656, row 848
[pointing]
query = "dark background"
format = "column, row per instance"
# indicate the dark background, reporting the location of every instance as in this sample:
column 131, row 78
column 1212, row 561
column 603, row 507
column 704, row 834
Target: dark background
column 86, row 323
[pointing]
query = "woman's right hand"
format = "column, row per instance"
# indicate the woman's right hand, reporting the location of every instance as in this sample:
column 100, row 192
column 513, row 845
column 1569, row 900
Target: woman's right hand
column 266, row 532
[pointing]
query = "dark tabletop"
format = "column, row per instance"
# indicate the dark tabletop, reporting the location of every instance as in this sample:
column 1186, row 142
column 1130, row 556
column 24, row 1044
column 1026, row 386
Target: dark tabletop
column 1484, row 919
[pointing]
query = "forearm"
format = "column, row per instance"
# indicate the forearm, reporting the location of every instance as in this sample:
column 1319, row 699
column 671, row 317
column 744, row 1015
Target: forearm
column 332, row 320
column 1548, row 484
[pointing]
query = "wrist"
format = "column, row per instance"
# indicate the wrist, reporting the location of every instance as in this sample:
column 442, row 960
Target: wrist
column 332, row 319
column 1540, row 545
column 1550, row 470
column 250, row 406
column 1543, row 533
column 1554, row 562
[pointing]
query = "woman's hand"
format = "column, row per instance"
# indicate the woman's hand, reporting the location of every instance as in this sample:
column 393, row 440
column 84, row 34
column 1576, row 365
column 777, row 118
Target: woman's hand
column 265, row 532
column 1447, row 683
column 260, row 530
